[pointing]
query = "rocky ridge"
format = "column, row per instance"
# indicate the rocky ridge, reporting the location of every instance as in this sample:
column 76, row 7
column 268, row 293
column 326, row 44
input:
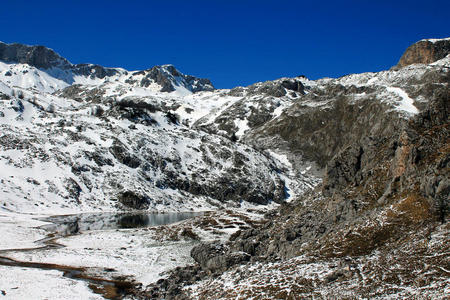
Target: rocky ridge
column 161, row 140
column 65, row 143
column 166, row 77
column 425, row 52
column 378, row 225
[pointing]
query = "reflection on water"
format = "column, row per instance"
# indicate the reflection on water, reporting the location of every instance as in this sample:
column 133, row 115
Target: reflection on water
column 71, row 224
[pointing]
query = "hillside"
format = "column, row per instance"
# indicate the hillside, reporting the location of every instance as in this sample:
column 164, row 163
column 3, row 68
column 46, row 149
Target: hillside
column 377, row 227
column 352, row 172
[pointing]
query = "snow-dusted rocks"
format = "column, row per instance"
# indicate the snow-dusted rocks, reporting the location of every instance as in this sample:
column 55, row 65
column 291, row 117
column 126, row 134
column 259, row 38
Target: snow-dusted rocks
column 82, row 137
column 109, row 138
column 170, row 80
column 92, row 153
column 425, row 52
column 378, row 225
column 58, row 72
column 160, row 139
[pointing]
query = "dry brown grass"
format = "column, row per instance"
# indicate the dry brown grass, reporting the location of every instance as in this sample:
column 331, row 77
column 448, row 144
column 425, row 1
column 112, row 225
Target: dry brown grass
column 412, row 209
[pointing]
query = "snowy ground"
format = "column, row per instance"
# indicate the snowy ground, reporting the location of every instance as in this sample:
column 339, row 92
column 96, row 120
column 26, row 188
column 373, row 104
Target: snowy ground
column 140, row 255
column 21, row 231
column 27, row 283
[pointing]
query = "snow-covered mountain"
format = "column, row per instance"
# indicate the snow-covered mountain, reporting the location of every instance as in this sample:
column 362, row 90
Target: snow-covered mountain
column 85, row 136
column 82, row 137
column 378, row 225
column 360, row 163
column 48, row 71
column 88, row 137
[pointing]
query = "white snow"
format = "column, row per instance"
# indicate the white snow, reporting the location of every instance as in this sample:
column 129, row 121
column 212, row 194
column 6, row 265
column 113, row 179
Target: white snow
column 25, row 76
column 282, row 158
column 242, row 126
column 33, row 177
column 27, row 283
column 435, row 40
column 131, row 252
column 406, row 104
column 277, row 112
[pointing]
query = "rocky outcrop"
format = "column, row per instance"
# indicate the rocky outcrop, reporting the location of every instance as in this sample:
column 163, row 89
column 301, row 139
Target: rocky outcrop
column 425, row 52
column 132, row 200
column 216, row 257
column 93, row 71
column 407, row 169
column 44, row 58
column 36, row 56
column 276, row 88
column 259, row 103
column 385, row 190
column 169, row 78
column 381, row 195
column 40, row 57
column 316, row 132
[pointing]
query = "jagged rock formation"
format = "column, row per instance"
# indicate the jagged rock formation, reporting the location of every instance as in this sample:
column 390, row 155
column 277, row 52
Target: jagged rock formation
column 376, row 227
column 166, row 77
column 36, row 56
column 425, row 52
column 88, row 137
column 256, row 105
column 42, row 57
column 94, row 137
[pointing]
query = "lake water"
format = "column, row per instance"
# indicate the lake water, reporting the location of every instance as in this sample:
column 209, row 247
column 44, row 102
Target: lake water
column 72, row 224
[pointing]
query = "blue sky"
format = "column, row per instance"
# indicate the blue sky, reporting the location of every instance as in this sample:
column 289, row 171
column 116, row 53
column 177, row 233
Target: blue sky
column 230, row 42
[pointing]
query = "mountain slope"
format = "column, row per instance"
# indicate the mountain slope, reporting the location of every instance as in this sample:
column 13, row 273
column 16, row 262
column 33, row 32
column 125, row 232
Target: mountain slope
column 113, row 139
column 358, row 164
column 41, row 59
column 378, row 225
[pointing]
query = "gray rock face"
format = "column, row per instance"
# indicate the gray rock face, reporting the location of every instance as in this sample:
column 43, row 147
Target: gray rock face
column 319, row 131
column 216, row 257
column 132, row 200
column 344, row 168
column 338, row 224
column 169, row 78
column 44, row 58
column 37, row 56
column 277, row 88
column 259, row 104
column 400, row 163
column 93, row 71
column 385, row 185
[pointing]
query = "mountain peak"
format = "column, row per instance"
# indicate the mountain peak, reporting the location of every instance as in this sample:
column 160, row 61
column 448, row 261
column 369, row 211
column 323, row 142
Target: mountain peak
column 47, row 60
column 37, row 56
column 170, row 79
column 425, row 52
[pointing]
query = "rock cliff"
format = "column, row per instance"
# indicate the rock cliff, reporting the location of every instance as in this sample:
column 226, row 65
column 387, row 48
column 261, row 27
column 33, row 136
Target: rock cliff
column 425, row 52
column 378, row 224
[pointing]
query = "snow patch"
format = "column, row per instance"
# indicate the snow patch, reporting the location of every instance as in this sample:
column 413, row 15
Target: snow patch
column 406, row 104
column 435, row 40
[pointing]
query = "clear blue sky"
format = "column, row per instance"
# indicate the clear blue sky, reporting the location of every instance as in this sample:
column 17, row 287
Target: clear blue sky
column 230, row 42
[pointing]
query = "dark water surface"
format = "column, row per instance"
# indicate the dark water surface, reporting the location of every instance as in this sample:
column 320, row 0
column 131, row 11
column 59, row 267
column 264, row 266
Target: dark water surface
column 72, row 224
